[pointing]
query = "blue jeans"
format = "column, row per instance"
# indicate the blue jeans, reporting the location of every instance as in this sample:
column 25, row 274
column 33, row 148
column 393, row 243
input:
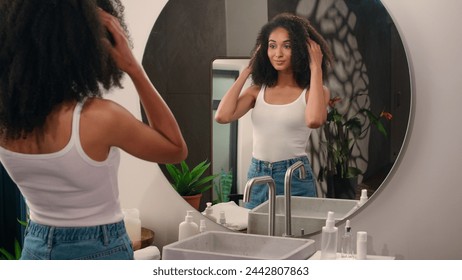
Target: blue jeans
column 277, row 170
column 104, row 242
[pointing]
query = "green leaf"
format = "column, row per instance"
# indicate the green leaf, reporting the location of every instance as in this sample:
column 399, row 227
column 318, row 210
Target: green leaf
column 17, row 249
column 6, row 255
column 353, row 172
column 187, row 181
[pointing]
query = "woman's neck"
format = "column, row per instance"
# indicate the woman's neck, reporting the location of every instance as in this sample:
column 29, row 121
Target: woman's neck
column 285, row 79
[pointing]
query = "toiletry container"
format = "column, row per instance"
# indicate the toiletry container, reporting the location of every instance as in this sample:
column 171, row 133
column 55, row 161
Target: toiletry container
column 188, row 227
column 132, row 223
column 329, row 238
column 361, row 245
column 202, row 226
column 208, row 212
column 222, row 220
column 363, row 199
column 346, row 247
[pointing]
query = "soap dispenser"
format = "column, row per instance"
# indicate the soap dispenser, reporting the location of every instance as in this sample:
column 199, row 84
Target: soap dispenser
column 329, row 238
column 208, row 212
column 188, row 227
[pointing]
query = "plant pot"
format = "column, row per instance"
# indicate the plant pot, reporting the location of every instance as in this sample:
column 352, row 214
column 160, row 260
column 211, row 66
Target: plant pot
column 344, row 188
column 193, row 200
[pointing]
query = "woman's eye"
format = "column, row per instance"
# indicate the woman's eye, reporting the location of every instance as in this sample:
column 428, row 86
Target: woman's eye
column 287, row 46
column 272, row 46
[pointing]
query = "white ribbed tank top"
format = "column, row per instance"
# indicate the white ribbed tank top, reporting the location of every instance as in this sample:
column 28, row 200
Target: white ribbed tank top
column 67, row 188
column 279, row 131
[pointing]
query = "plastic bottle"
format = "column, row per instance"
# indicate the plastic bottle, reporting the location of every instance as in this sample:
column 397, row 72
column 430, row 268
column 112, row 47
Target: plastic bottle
column 202, row 226
column 188, row 227
column 132, row 223
column 329, row 238
column 347, row 243
column 222, row 220
column 361, row 245
column 208, row 212
column 363, row 199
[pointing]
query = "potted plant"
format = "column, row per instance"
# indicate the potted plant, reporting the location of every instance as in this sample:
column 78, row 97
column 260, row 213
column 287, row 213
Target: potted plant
column 190, row 183
column 222, row 186
column 340, row 135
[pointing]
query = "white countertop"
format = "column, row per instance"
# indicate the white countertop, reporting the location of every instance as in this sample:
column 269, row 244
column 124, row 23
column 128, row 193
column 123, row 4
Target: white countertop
column 317, row 256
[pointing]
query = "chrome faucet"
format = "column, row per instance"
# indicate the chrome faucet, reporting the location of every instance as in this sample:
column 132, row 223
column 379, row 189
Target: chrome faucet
column 272, row 198
column 287, row 193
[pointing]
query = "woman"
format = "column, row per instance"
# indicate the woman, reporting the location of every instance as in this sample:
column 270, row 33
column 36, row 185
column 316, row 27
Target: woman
column 288, row 99
column 59, row 138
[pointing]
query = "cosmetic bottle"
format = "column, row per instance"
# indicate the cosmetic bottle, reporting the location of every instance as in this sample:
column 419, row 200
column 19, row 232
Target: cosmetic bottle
column 361, row 245
column 346, row 247
column 188, row 227
column 222, row 220
column 363, row 199
column 208, row 212
column 202, row 226
column 329, row 238
column 132, row 223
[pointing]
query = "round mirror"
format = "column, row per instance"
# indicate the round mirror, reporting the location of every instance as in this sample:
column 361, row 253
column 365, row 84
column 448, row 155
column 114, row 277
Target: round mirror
column 370, row 72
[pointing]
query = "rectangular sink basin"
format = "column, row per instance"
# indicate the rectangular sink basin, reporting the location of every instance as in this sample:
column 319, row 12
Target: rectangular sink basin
column 221, row 245
column 308, row 213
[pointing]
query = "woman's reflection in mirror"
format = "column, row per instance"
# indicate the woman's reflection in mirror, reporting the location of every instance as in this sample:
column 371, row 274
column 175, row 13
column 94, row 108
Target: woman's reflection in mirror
column 60, row 140
column 288, row 98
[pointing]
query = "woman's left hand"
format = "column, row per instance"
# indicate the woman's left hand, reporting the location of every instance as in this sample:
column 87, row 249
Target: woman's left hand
column 315, row 52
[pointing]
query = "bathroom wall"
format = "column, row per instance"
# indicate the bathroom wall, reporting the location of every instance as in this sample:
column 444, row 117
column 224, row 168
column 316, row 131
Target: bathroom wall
column 416, row 215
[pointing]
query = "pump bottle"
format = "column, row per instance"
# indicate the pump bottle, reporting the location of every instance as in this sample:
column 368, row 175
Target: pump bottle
column 329, row 238
column 188, row 227
column 208, row 212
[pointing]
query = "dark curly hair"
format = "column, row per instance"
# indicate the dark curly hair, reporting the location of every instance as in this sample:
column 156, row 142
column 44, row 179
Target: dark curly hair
column 50, row 53
column 299, row 30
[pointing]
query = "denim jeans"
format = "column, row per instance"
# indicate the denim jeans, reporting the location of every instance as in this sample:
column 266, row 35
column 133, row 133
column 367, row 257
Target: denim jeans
column 104, row 242
column 277, row 170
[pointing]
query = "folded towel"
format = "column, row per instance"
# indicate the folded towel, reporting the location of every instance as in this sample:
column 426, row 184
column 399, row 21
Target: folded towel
column 236, row 216
column 148, row 253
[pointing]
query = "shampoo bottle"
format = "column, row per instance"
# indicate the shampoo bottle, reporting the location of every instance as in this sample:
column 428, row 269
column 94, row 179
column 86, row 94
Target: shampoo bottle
column 188, row 227
column 329, row 238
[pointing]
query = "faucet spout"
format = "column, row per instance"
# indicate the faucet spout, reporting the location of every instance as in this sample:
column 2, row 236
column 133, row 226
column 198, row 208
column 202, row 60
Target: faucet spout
column 272, row 198
column 287, row 193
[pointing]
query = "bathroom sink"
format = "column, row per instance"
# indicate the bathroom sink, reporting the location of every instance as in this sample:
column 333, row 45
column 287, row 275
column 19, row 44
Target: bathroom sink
column 223, row 245
column 308, row 213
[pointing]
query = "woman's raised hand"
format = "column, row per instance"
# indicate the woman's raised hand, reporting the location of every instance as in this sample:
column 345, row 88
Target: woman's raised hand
column 120, row 50
column 315, row 52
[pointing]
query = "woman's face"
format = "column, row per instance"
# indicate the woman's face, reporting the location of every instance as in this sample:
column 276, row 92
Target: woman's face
column 280, row 49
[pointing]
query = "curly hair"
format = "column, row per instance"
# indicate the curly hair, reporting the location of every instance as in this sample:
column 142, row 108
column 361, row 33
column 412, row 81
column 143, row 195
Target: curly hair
column 51, row 53
column 299, row 30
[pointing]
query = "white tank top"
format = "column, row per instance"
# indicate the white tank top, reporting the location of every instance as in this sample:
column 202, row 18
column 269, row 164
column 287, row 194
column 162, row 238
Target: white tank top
column 67, row 188
column 279, row 131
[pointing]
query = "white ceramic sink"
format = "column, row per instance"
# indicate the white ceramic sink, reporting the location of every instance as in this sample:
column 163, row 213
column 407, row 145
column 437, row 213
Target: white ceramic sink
column 222, row 245
column 308, row 213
